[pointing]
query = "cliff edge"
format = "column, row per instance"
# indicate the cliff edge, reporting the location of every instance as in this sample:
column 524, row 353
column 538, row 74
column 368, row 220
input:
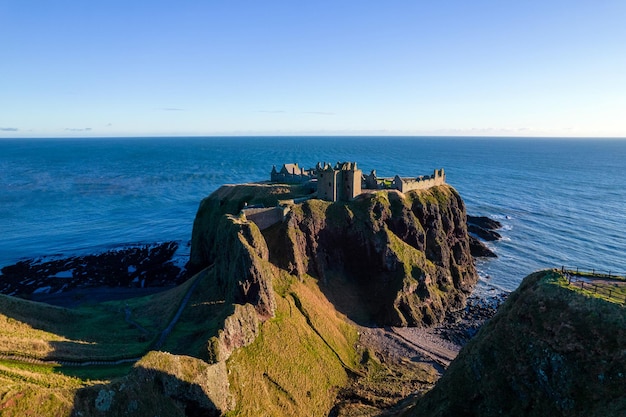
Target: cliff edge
column 386, row 258
column 549, row 350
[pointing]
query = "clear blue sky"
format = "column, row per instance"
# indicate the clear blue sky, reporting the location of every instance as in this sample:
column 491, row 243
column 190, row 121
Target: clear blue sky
column 437, row 67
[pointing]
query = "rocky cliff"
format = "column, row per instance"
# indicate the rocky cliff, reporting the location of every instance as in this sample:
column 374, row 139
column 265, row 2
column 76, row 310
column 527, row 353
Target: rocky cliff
column 548, row 351
column 401, row 259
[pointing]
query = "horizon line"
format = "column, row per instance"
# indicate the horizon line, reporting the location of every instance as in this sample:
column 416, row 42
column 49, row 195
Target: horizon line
column 303, row 135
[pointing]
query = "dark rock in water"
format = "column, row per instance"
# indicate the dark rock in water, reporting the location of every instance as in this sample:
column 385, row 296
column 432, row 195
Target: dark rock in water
column 131, row 267
column 479, row 250
column 484, row 222
column 485, row 234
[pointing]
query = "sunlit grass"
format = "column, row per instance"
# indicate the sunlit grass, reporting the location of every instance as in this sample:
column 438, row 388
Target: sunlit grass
column 295, row 363
column 614, row 292
column 93, row 332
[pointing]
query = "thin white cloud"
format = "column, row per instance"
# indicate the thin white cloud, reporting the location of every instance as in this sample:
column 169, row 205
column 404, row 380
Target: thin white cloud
column 77, row 129
column 8, row 129
column 320, row 113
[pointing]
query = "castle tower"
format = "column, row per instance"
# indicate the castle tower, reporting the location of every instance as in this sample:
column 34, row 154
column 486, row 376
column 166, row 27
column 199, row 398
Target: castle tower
column 327, row 183
column 341, row 183
column 351, row 181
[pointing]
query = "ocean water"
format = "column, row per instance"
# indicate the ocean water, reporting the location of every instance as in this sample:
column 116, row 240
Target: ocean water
column 561, row 201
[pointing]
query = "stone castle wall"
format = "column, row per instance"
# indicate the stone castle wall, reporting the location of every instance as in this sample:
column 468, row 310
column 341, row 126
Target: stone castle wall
column 420, row 183
column 290, row 178
column 265, row 217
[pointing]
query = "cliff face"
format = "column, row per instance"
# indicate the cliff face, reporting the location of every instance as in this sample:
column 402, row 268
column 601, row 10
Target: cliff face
column 548, row 351
column 229, row 199
column 402, row 259
column 241, row 266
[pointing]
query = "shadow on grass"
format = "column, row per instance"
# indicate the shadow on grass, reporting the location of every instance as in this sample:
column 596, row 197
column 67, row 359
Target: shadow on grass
column 105, row 333
column 145, row 392
column 87, row 342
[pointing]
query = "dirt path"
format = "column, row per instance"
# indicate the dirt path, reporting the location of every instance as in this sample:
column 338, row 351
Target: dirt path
column 597, row 280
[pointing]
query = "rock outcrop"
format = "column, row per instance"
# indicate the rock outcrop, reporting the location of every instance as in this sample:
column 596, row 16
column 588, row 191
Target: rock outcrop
column 479, row 250
column 161, row 384
column 137, row 266
column 484, row 228
column 241, row 265
column 549, row 351
column 405, row 258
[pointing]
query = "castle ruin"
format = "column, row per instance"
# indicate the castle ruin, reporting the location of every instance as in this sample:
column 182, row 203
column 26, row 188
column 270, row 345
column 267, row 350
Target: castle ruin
column 292, row 174
column 341, row 183
column 345, row 181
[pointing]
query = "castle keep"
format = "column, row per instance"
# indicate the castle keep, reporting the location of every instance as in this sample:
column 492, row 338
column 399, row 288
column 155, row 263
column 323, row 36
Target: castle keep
column 341, row 183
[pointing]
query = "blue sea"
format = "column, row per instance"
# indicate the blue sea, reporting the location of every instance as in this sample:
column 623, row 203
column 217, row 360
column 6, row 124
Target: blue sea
column 561, row 201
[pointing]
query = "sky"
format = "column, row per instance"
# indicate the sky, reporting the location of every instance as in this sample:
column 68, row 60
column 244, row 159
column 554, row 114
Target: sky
column 76, row 68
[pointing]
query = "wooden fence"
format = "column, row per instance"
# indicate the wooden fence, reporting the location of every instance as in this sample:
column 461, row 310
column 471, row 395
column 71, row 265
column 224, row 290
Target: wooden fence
column 605, row 284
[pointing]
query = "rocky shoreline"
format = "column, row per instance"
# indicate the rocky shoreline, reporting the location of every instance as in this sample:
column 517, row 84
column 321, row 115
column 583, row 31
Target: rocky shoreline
column 482, row 227
column 460, row 326
column 136, row 266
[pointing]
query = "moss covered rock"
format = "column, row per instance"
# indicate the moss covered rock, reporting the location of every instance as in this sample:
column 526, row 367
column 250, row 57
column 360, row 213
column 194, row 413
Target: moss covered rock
column 549, row 351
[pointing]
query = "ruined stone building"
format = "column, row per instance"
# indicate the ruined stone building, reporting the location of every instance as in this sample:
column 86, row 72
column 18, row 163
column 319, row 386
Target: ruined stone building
column 292, row 174
column 344, row 181
column 339, row 183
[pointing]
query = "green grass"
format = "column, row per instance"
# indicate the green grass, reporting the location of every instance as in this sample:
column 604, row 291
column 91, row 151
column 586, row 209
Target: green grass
column 92, row 332
column 611, row 292
column 298, row 362
column 90, row 374
column 201, row 319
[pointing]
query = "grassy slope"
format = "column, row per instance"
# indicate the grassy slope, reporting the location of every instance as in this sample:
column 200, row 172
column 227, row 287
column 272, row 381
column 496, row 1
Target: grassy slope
column 42, row 331
column 612, row 290
column 300, row 359
column 97, row 331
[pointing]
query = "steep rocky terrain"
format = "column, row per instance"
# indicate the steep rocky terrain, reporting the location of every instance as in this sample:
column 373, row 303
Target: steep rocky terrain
column 385, row 258
column 549, row 350
column 261, row 328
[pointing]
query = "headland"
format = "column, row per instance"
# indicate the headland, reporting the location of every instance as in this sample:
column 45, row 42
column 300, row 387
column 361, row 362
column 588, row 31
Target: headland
column 351, row 304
